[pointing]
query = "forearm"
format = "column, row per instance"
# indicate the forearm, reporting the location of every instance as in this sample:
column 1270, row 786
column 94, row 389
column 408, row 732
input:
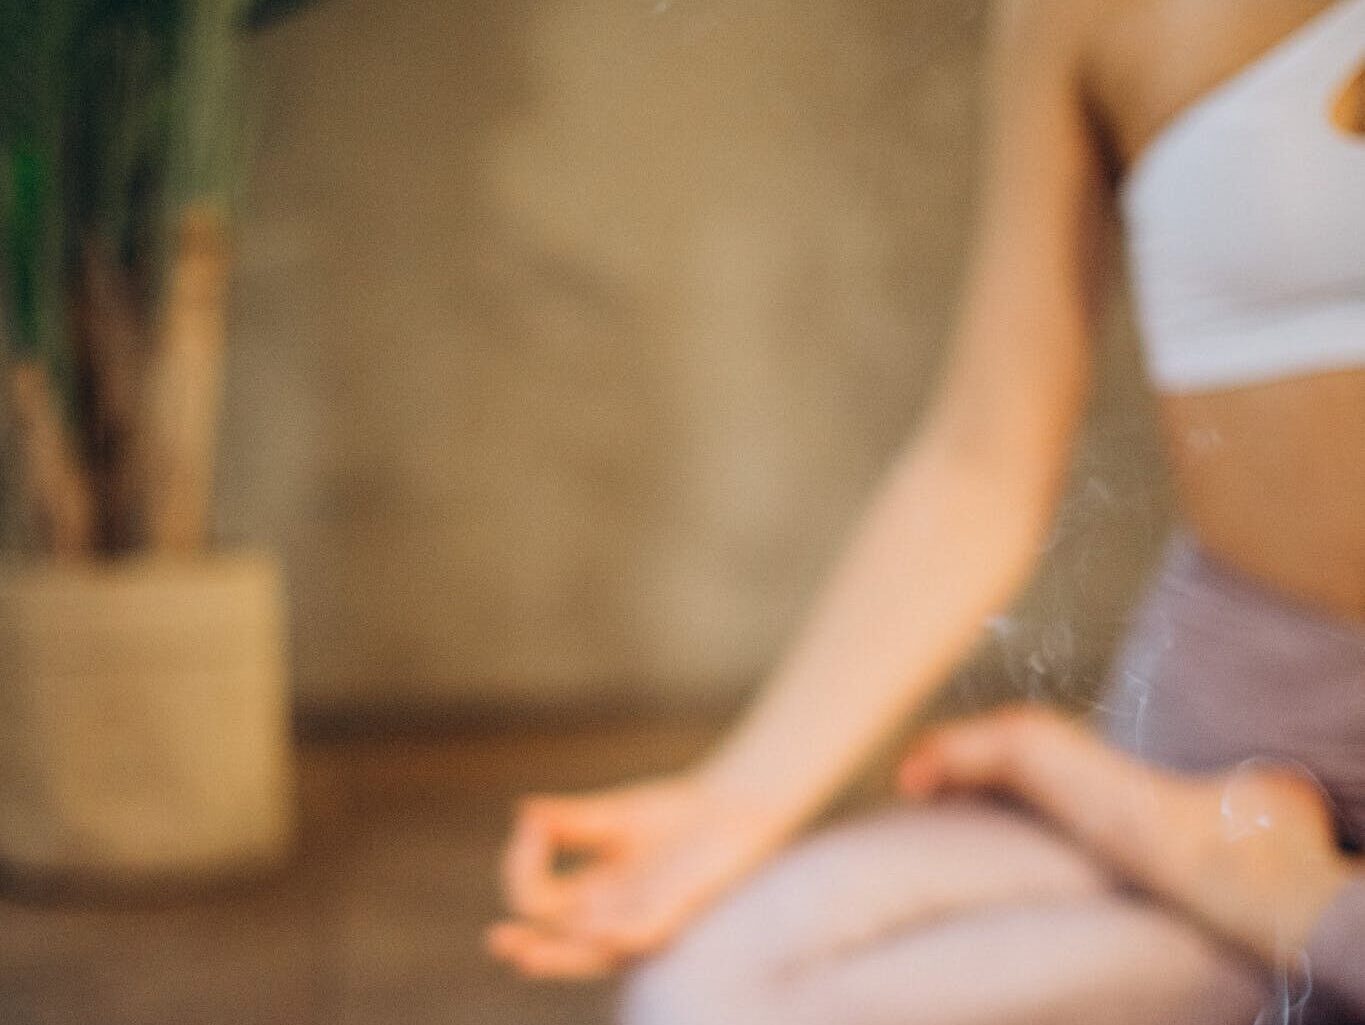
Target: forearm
column 948, row 541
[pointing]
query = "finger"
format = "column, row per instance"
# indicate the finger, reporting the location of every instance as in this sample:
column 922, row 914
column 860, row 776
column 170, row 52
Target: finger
column 541, row 954
column 922, row 772
column 545, row 829
column 626, row 930
column 528, row 865
column 967, row 754
column 1072, row 775
column 1120, row 807
column 570, row 901
column 1040, row 758
column 638, row 914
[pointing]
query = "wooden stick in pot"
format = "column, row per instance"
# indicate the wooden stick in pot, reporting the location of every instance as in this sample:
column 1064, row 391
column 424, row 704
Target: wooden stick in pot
column 54, row 479
column 179, row 430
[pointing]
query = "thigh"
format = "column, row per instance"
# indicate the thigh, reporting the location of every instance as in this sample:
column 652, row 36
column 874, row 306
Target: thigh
column 948, row 910
column 886, row 874
column 1106, row 959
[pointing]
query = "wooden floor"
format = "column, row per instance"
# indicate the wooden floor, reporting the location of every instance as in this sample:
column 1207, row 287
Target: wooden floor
column 377, row 921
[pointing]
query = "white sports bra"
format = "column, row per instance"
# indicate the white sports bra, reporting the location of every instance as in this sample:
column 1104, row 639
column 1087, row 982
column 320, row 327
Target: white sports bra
column 1245, row 220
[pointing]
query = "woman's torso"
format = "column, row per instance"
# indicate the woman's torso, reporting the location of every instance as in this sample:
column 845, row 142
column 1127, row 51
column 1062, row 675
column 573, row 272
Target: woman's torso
column 1271, row 475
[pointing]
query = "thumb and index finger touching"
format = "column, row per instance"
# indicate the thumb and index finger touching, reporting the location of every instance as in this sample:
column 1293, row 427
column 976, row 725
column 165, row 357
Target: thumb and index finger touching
column 567, row 918
column 547, row 831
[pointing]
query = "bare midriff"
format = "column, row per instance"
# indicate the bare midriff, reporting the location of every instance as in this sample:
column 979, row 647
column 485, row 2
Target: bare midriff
column 1271, row 478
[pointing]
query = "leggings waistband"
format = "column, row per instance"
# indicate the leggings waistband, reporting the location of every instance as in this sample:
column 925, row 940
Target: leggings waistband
column 1220, row 668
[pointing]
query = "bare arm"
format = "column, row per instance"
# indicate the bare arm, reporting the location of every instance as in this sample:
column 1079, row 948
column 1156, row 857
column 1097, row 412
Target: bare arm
column 957, row 526
column 952, row 535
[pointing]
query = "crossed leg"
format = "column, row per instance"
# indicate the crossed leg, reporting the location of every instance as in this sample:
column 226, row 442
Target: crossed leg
column 956, row 914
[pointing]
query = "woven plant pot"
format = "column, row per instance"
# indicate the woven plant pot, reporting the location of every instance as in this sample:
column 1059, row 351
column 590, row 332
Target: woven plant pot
column 143, row 721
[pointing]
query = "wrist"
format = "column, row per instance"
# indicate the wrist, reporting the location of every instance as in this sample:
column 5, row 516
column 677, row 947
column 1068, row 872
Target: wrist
column 748, row 800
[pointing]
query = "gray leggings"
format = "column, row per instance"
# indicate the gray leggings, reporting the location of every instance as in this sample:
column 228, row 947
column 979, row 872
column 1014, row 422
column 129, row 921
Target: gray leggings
column 968, row 913
column 1220, row 669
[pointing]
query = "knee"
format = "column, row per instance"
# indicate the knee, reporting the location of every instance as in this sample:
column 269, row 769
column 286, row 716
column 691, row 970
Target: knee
column 663, row 991
column 656, row 992
column 685, row 986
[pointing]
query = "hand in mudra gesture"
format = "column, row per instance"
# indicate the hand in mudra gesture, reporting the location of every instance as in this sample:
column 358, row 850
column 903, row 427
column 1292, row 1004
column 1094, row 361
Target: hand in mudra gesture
column 641, row 861
column 1250, row 853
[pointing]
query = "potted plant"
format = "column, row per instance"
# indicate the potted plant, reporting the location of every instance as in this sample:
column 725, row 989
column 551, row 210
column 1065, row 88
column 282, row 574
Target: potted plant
column 143, row 704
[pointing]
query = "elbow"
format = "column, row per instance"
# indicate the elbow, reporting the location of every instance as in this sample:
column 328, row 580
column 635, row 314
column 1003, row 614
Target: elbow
column 1013, row 454
column 1006, row 488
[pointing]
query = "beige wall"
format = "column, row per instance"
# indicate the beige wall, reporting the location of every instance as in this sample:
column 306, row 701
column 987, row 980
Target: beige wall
column 568, row 338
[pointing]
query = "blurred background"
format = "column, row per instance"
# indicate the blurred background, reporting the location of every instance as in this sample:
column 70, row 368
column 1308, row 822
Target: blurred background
column 568, row 338
column 564, row 343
